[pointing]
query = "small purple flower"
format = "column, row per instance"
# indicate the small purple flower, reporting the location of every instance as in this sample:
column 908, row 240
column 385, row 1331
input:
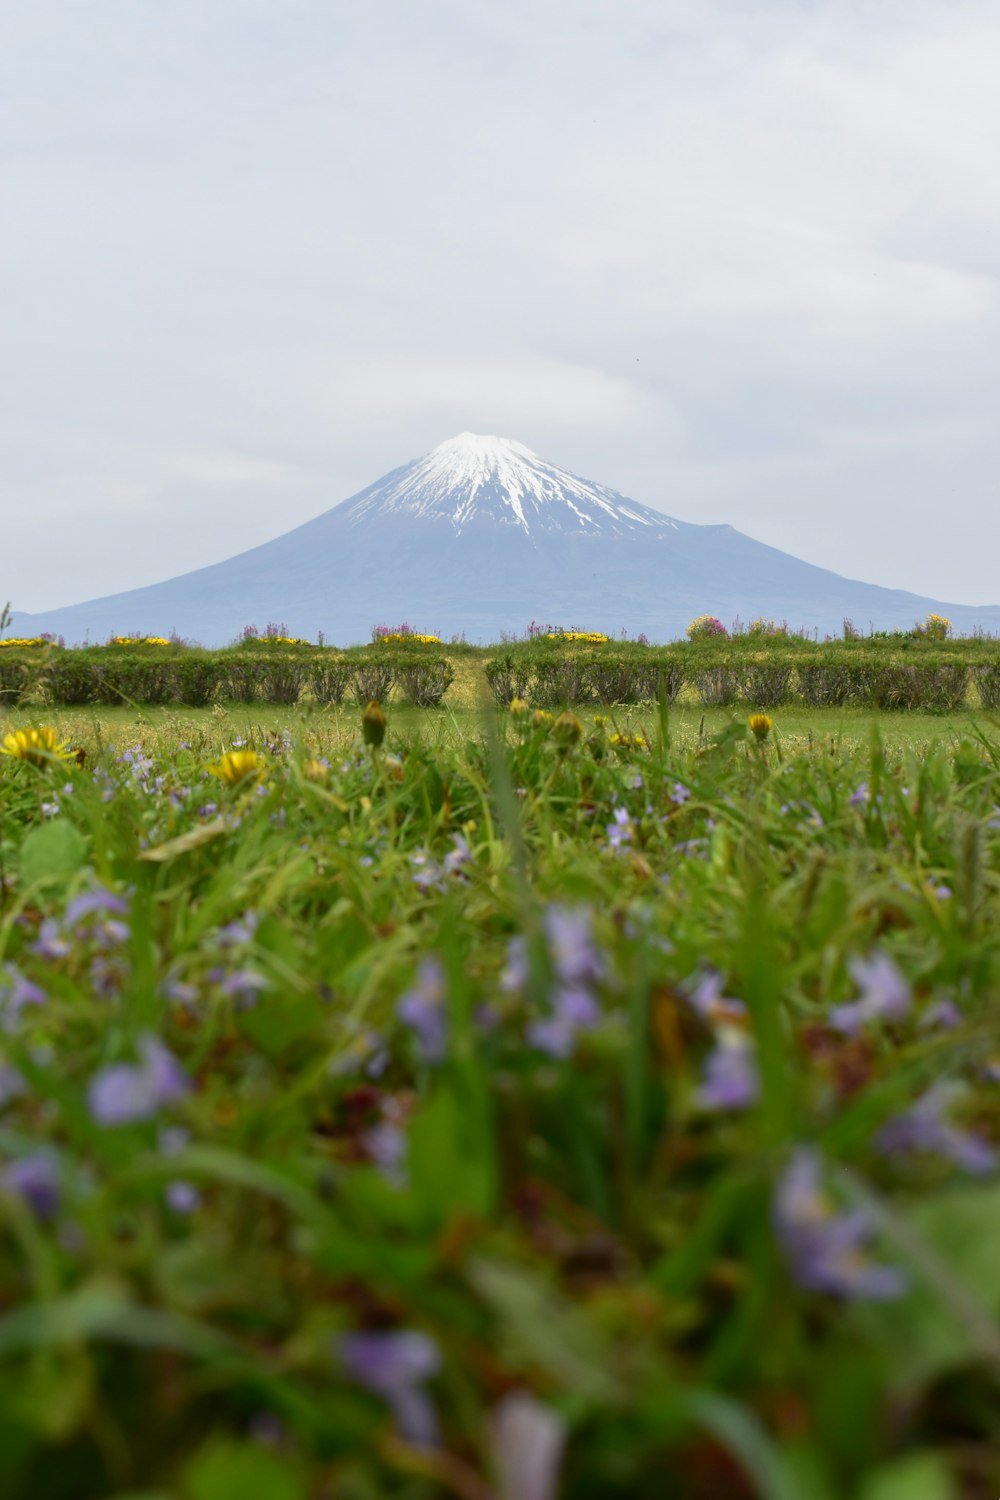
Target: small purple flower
column 573, row 1010
column 422, row 1009
column 50, row 942
column 244, row 986
column 570, row 939
column 90, row 902
column 182, row 1197
column 825, row 1249
column 34, row 1178
column 885, row 995
column 235, row 934
column 680, row 793
column 124, row 1092
column 705, row 997
column 859, row 797
column 620, row 831
column 731, row 1080
column 396, row 1365
column 943, row 1015
column 16, row 991
column 516, row 970
column 923, row 1127
column 460, row 855
column 386, row 1145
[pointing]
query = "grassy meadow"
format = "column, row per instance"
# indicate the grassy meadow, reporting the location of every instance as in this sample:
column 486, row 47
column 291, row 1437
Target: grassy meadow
column 499, row 1105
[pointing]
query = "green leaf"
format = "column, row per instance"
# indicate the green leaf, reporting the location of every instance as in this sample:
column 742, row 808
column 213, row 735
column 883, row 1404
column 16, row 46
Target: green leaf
column 451, row 1159
column 919, row 1476
column 51, row 852
column 231, row 1471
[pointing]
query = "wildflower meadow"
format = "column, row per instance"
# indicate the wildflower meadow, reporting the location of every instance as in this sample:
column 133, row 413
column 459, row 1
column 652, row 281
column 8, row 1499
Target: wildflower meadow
column 554, row 1108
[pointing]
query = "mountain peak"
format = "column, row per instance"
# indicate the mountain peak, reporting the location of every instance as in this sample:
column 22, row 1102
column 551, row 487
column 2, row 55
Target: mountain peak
column 489, row 480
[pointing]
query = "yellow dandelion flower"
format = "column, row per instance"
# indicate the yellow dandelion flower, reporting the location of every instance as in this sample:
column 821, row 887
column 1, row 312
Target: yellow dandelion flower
column 518, row 708
column 314, row 770
column 760, row 726
column 238, row 765
column 541, row 718
column 39, row 747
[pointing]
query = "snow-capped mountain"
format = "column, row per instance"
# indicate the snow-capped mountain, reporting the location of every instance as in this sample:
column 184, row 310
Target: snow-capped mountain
column 471, row 479
column 479, row 537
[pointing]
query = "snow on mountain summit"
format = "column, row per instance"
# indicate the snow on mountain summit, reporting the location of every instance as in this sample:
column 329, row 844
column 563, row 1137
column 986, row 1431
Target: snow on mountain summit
column 485, row 479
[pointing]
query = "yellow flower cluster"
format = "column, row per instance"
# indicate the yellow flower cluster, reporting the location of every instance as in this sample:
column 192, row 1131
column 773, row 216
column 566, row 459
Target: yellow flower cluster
column 936, row 626
column 138, row 640
column 34, row 640
column 36, row 746
column 580, row 637
column 396, row 636
column 628, row 741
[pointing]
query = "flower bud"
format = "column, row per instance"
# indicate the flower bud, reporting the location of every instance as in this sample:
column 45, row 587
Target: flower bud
column 373, row 724
column 518, row 708
column 566, row 731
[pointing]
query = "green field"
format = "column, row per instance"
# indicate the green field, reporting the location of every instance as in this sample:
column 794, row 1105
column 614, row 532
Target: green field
column 501, row 1110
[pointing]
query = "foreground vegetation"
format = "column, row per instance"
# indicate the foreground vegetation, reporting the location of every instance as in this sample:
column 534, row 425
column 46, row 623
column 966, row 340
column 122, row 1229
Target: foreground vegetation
column 529, row 1107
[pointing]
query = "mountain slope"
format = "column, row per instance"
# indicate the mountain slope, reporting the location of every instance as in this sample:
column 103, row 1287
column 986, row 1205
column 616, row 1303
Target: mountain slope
column 480, row 536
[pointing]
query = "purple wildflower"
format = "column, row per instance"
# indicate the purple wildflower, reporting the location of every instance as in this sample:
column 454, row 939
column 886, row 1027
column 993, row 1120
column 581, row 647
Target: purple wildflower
column 183, row 1197
column 885, row 995
column 731, row 1080
column 244, row 986
column 385, row 1144
column 50, row 942
column 680, row 793
column 620, row 831
column 573, row 1010
column 923, row 1127
column 460, row 855
column 395, row 1366
column 235, row 934
column 16, row 991
column 704, row 995
column 125, row 1092
column 859, row 797
column 422, row 1009
column 88, row 903
column 34, row 1178
column 825, row 1249
column 943, row 1015
column 516, row 970
column 574, row 956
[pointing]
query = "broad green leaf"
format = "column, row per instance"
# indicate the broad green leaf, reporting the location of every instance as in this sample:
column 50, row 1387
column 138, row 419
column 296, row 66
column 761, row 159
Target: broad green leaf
column 52, row 851
column 919, row 1476
column 239, row 1471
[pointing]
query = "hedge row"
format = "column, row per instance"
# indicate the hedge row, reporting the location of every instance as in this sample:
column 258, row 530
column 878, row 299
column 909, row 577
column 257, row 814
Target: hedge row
column 196, row 678
column 824, row 680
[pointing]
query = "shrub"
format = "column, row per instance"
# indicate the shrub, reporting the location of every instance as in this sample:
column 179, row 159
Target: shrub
column 198, row 679
column 508, row 677
column 717, row 686
column 823, row 686
column 424, row 684
column 707, row 628
column 372, row 679
column 987, row 680
column 765, row 684
column 329, row 679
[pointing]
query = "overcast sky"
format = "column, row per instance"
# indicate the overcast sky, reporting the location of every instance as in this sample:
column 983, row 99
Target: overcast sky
column 738, row 260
